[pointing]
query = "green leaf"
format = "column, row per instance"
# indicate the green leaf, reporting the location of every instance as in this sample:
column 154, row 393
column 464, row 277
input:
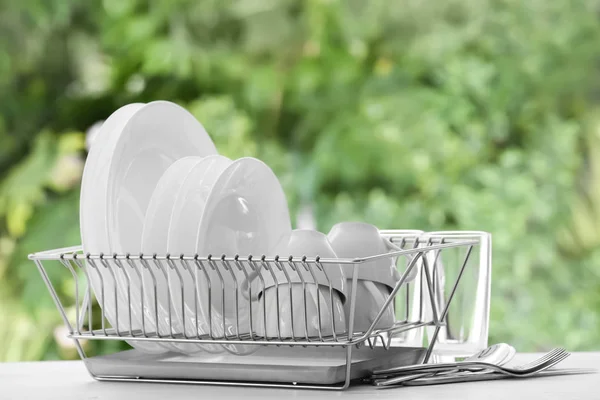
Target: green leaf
column 23, row 188
column 54, row 225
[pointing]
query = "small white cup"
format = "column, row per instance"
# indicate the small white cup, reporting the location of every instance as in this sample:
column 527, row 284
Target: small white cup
column 376, row 279
column 296, row 312
column 298, row 303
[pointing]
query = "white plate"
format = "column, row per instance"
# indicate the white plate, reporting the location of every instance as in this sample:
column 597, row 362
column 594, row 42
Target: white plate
column 154, row 240
column 94, row 230
column 245, row 213
column 153, row 139
column 187, row 209
column 155, row 136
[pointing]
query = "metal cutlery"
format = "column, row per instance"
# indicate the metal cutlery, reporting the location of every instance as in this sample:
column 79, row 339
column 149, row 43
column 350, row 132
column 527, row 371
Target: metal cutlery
column 411, row 369
column 397, row 376
column 491, row 376
column 498, row 354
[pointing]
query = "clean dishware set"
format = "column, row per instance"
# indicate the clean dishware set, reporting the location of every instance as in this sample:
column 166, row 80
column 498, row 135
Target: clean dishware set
column 191, row 259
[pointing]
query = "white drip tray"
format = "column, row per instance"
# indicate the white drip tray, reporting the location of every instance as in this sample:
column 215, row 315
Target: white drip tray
column 311, row 365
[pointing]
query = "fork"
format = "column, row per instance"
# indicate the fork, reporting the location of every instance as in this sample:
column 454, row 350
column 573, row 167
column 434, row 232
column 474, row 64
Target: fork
column 490, row 354
column 547, row 361
column 410, row 369
column 480, row 368
column 489, row 376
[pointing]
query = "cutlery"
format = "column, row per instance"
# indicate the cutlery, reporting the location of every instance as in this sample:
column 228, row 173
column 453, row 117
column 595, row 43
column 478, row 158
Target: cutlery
column 498, row 354
column 547, row 361
column 410, row 369
column 491, row 376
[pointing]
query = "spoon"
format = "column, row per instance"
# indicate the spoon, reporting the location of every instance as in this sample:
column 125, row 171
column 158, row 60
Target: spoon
column 498, row 354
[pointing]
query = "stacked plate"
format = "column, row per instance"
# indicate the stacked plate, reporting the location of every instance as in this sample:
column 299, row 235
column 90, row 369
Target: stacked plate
column 154, row 184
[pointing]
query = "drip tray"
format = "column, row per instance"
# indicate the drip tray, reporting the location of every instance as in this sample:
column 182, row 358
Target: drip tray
column 311, row 365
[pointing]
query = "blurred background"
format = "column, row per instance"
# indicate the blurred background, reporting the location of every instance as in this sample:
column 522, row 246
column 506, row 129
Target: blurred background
column 455, row 114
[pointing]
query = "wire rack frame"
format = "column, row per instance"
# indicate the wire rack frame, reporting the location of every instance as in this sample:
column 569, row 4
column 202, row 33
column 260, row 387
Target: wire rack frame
column 83, row 325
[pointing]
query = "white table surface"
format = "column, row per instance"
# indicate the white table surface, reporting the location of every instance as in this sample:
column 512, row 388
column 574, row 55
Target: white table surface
column 68, row 380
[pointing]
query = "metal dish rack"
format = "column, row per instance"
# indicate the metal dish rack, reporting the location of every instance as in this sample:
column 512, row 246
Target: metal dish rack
column 418, row 251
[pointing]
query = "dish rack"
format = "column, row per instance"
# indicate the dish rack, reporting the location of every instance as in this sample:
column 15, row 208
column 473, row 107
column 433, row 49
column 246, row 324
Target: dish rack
column 417, row 252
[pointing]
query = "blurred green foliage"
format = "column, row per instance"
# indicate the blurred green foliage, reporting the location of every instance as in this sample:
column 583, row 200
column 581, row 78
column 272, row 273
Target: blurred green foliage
column 455, row 114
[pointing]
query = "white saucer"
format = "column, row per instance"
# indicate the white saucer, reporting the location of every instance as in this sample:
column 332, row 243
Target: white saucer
column 154, row 240
column 181, row 233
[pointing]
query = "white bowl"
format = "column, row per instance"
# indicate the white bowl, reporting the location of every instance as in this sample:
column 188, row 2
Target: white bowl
column 309, row 243
column 360, row 240
column 290, row 308
column 376, row 279
column 293, row 296
column 370, row 297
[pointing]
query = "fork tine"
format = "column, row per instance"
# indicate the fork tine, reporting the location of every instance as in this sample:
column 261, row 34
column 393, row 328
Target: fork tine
column 555, row 361
column 551, row 354
column 560, row 356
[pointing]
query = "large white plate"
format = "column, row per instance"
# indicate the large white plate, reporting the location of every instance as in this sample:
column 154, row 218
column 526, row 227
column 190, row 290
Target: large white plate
column 155, row 136
column 153, row 139
column 245, row 213
column 94, row 231
column 185, row 217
